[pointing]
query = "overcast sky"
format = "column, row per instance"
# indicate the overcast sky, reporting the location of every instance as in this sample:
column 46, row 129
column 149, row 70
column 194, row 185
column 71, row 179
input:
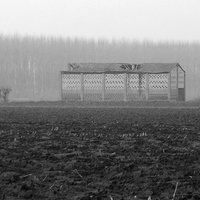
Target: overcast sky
column 119, row 19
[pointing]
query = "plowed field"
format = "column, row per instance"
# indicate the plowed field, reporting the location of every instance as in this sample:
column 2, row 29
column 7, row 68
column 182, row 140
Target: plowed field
column 99, row 153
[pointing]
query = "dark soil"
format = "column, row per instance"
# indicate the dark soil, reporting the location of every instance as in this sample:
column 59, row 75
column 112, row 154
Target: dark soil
column 99, row 153
column 93, row 104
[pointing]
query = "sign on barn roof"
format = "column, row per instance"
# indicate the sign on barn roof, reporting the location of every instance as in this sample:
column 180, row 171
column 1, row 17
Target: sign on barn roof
column 121, row 67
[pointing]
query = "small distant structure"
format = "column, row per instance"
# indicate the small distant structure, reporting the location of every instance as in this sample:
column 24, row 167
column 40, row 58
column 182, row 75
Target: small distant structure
column 123, row 82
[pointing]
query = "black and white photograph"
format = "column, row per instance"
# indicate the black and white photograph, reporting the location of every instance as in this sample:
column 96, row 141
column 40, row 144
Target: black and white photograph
column 100, row 99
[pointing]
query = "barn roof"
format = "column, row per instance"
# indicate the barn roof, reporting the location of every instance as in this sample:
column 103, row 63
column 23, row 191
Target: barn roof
column 158, row 67
column 122, row 67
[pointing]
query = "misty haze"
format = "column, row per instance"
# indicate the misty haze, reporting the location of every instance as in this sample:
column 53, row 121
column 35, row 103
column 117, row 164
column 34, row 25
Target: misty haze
column 100, row 99
column 30, row 66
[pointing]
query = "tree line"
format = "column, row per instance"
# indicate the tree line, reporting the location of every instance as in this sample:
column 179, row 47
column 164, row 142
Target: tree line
column 30, row 66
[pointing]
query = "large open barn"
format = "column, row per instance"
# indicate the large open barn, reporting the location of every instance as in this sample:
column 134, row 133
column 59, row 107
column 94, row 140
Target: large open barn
column 123, row 82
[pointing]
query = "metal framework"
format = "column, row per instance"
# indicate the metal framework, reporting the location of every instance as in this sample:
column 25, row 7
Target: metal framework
column 123, row 85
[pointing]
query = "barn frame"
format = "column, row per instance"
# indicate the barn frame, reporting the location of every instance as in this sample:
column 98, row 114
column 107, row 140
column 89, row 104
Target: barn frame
column 123, row 82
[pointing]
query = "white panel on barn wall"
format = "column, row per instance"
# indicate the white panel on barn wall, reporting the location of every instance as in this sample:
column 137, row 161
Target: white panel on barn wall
column 93, row 82
column 93, row 87
column 71, row 82
column 133, row 81
column 158, row 85
column 114, row 81
column 158, row 81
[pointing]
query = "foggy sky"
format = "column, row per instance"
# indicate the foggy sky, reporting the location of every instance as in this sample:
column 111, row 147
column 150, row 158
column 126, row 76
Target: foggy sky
column 171, row 20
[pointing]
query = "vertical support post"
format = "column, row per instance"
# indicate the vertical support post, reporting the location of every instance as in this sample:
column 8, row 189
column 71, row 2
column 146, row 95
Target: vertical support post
column 82, row 87
column 61, row 88
column 147, row 87
column 103, row 86
column 140, row 86
column 177, row 93
column 128, row 86
column 125, row 86
column 184, row 86
column 169, row 86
